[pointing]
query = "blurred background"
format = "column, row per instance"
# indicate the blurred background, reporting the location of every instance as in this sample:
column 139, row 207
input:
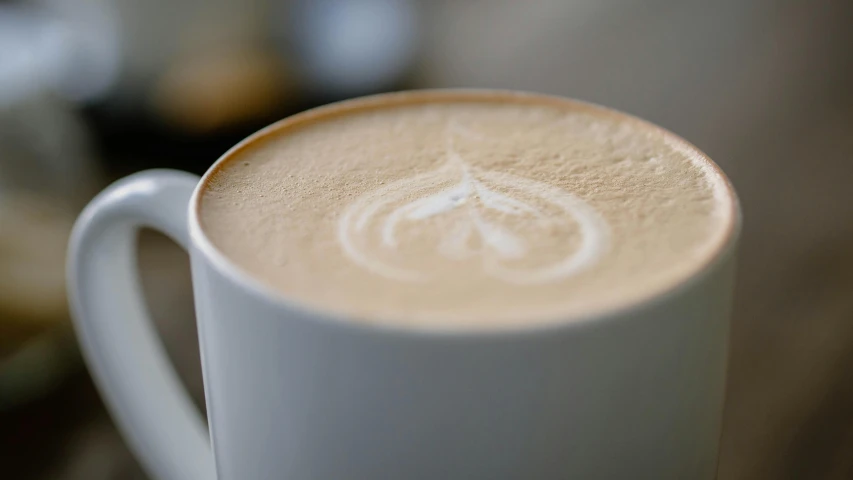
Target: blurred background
column 91, row 90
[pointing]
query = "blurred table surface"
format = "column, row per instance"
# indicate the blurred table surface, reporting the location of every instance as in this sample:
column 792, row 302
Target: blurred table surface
column 789, row 151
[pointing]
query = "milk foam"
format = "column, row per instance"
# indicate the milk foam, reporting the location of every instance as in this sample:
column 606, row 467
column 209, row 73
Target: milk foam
column 467, row 211
column 471, row 194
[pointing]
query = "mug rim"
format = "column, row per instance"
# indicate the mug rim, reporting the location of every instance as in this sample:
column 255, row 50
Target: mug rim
column 725, row 248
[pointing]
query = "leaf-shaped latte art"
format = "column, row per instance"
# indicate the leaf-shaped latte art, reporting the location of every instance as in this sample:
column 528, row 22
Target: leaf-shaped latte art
column 473, row 206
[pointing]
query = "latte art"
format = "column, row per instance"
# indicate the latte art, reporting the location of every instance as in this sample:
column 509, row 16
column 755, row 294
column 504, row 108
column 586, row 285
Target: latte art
column 474, row 211
column 465, row 209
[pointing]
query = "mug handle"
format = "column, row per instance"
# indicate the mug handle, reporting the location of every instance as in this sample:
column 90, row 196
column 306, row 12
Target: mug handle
column 120, row 345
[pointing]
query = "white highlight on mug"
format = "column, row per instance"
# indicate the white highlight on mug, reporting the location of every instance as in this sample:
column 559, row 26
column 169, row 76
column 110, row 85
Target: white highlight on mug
column 471, row 188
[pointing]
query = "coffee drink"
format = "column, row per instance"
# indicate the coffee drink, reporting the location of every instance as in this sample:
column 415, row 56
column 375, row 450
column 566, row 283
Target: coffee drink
column 466, row 209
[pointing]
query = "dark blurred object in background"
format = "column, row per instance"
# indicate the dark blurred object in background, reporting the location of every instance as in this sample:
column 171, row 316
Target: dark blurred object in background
column 94, row 89
column 194, row 82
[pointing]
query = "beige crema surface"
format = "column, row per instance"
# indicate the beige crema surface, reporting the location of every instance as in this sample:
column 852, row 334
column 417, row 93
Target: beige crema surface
column 468, row 210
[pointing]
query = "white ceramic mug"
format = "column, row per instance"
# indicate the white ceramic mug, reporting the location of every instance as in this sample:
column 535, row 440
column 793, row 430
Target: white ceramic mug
column 294, row 394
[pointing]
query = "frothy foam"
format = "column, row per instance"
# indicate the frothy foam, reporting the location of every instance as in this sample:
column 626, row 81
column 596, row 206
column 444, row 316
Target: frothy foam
column 472, row 195
column 467, row 209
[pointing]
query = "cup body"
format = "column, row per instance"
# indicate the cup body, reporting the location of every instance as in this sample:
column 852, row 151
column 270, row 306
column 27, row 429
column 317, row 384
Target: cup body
column 298, row 394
